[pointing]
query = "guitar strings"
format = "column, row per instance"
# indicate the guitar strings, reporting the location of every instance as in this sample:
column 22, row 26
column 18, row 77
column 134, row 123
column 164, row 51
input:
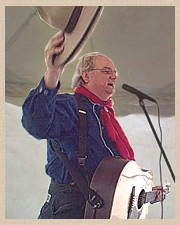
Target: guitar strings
column 138, row 196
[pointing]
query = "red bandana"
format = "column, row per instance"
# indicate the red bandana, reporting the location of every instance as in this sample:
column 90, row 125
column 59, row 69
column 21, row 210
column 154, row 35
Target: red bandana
column 115, row 131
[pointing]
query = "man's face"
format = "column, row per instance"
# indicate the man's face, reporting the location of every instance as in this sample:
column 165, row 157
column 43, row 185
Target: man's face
column 102, row 77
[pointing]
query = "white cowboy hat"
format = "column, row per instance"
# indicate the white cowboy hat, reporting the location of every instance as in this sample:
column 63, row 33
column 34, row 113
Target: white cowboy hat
column 77, row 22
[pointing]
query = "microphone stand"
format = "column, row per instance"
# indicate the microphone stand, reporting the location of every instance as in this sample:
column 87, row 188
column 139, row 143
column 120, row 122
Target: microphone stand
column 141, row 103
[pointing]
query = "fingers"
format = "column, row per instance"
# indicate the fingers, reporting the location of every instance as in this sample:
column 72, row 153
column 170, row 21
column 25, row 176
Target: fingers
column 56, row 41
column 160, row 196
column 54, row 48
column 54, row 51
column 56, row 56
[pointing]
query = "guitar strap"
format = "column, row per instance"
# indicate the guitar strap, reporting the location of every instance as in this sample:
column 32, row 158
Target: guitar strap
column 90, row 195
column 83, row 129
column 82, row 151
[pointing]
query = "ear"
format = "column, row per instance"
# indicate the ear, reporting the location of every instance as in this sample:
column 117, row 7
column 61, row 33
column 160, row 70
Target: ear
column 85, row 76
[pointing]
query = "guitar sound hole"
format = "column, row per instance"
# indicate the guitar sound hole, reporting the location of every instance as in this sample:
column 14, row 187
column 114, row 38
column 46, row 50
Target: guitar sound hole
column 131, row 202
column 141, row 199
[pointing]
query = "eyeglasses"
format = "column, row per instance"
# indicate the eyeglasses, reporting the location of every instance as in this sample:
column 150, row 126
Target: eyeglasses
column 106, row 70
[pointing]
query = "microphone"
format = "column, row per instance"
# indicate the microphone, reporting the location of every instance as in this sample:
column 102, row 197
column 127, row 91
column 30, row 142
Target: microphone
column 139, row 94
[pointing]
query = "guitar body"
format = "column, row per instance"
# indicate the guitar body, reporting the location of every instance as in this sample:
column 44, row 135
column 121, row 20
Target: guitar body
column 121, row 184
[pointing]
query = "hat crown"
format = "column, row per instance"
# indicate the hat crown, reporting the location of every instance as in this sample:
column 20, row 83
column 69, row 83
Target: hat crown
column 55, row 17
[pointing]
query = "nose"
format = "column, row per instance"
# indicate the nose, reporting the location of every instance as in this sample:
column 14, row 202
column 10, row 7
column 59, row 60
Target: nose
column 113, row 75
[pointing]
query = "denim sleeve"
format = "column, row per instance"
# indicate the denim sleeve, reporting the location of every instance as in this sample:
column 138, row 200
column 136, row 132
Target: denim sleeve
column 47, row 114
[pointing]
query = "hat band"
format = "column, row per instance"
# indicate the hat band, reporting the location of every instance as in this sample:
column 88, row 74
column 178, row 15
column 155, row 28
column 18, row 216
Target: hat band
column 73, row 19
column 84, row 35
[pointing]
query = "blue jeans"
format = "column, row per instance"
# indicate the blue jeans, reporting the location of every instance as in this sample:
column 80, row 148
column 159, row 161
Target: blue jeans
column 64, row 201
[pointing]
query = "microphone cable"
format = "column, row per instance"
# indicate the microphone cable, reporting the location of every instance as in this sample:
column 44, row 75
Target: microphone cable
column 160, row 159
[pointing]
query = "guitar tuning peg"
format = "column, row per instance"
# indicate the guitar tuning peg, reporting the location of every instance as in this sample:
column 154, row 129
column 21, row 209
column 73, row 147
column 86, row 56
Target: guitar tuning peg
column 167, row 184
column 167, row 187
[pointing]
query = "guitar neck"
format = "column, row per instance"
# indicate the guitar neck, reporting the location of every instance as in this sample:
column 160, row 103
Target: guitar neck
column 151, row 195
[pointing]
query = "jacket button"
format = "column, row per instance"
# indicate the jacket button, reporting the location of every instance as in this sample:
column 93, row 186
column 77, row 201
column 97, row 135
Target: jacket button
column 45, row 92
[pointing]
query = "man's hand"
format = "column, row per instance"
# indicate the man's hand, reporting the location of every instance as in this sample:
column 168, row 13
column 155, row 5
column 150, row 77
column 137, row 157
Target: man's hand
column 161, row 194
column 53, row 51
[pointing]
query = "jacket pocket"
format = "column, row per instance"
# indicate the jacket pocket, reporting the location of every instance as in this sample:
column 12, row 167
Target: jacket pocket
column 66, row 201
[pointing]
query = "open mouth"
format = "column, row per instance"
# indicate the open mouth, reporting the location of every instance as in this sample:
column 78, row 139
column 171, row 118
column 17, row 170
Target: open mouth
column 111, row 84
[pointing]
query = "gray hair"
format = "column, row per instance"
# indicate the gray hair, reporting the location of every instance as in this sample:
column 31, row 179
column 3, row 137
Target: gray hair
column 85, row 64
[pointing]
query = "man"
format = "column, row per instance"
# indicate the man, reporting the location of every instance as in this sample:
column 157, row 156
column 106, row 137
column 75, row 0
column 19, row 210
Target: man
column 47, row 115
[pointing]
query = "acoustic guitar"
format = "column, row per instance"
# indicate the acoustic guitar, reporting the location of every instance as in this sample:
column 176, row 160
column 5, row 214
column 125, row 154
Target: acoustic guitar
column 125, row 188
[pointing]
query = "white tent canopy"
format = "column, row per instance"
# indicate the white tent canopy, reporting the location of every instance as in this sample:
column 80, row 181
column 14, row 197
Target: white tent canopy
column 140, row 41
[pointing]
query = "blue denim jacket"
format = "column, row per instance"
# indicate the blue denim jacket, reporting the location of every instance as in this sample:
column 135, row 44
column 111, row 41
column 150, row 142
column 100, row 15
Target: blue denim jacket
column 48, row 115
